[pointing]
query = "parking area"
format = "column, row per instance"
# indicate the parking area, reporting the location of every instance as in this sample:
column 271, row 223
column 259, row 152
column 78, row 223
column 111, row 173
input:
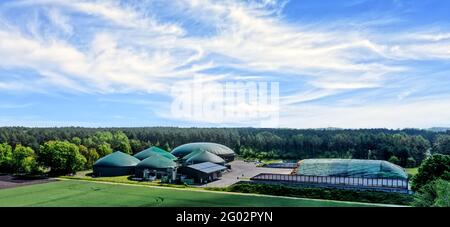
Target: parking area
column 241, row 170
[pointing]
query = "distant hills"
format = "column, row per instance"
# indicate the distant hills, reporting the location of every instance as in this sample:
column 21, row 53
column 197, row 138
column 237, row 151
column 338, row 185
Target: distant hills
column 433, row 129
column 438, row 129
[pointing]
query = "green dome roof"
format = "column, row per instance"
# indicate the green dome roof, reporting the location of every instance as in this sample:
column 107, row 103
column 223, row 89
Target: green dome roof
column 215, row 148
column 156, row 161
column 154, row 150
column 117, row 159
column 350, row 168
column 190, row 155
column 205, row 156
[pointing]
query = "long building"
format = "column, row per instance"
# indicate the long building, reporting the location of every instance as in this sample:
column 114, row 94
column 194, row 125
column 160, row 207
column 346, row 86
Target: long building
column 376, row 175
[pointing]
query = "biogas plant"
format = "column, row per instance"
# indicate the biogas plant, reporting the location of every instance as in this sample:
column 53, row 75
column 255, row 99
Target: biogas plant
column 193, row 163
column 201, row 163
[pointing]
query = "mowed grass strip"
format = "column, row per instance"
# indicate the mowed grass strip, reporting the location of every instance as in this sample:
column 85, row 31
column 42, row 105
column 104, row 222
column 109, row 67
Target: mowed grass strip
column 73, row 193
column 412, row 171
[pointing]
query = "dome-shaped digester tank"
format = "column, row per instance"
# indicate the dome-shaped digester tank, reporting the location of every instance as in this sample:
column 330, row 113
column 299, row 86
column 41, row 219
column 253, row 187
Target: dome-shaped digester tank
column 204, row 156
column 218, row 149
column 115, row 164
column 155, row 164
column 154, row 150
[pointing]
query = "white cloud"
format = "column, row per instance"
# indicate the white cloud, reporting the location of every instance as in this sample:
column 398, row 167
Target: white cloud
column 420, row 114
column 343, row 85
column 104, row 68
column 61, row 21
column 132, row 50
column 108, row 10
column 251, row 34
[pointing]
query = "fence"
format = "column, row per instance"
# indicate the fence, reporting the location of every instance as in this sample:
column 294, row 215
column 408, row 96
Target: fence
column 381, row 184
column 284, row 165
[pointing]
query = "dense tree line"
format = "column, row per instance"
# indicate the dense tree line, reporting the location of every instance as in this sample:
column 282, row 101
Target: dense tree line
column 81, row 147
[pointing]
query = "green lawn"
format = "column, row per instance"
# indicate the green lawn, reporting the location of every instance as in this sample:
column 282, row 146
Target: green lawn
column 84, row 175
column 412, row 171
column 84, row 193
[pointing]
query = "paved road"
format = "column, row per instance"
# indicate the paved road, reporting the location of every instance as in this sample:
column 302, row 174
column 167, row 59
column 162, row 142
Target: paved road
column 241, row 169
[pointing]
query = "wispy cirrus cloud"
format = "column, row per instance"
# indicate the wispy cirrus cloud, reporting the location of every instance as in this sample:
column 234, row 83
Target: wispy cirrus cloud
column 109, row 47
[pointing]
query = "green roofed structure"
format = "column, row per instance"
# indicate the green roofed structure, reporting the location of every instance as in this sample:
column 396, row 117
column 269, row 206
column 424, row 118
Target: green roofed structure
column 350, row 168
column 190, row 155
column 115, row 164
column 154, row 150
column 156, row 164
column 220, row 150
column 204, row 156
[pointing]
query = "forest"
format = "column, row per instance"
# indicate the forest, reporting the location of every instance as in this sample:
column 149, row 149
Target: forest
column 64, row 150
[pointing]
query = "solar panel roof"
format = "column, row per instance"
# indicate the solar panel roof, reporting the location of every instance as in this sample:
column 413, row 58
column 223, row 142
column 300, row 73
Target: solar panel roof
column 207, row 167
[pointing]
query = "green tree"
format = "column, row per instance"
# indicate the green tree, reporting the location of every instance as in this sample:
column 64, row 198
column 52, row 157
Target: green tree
column 24, row 160
column 102, row 137
column 433, row 168
column 136, row 146
column 76, row 141
column 394, row 159
column 442, row 144
column 443, row 194
column 372, row 155
column 61, row 157
column 247, row 152
column 166, row 147
column 88, row 142
column 120, row 142
column 433, row 194
column 417, row 149
column 6, row 157
column 286, row 143
column 411, row 162
column 90, row 154
column 104, row 149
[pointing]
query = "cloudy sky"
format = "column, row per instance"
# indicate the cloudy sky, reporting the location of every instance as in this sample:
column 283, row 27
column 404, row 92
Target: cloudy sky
column 340, row 63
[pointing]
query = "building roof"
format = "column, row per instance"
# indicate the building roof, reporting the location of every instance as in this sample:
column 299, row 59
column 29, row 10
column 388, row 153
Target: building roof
column 215, row 148
column 156, row 161
column 350, row 168
column 190, row 155
column 207, row 167
column 117, row 159
column 152, row 150
column 205, row 156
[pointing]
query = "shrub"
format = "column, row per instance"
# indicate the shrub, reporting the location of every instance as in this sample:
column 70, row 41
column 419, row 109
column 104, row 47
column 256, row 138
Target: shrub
column 433, row 168
column 433, row 194
column 61, row 157
column 24, row 160
column 394, row 159
column 6, row 157
column 321, row 193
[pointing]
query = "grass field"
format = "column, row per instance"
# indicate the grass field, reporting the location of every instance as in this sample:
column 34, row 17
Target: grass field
column 85, row 175
column 87, row 194
column 412, row 171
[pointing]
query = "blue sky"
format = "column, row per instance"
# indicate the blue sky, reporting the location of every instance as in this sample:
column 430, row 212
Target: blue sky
column 341, row 63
